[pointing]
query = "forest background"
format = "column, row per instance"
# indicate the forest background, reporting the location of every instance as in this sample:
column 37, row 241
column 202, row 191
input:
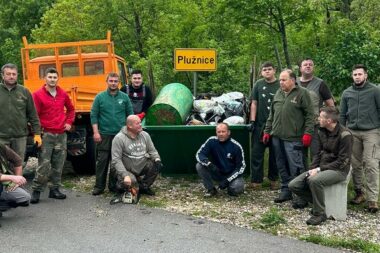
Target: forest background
column 335, row 33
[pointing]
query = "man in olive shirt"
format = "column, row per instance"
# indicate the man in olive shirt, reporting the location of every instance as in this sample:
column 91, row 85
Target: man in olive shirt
column 108, row 114
column 262, row 97
column 16, row 110
column 290, row 124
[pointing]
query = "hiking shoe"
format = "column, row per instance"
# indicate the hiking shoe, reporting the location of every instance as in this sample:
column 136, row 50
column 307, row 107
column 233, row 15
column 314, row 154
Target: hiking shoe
column 359, row 198
column 211, row 193
column 373, row 207
column 284, row 196
column 56, row 194
column 147, row 191
column 299, row 203
column 35, row 197
column 97, row 191
column 316, row 220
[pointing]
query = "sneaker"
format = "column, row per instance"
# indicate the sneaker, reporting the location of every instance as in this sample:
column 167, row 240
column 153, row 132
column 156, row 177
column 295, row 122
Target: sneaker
column 372, row 207
column 117, row 199
column 299, row 204
column 97, row 191
column 316, row 219
column 211, row 193
column 35, row 197
column 147, row 191
column 359, row 198
column 284, row 196
column 56, row 194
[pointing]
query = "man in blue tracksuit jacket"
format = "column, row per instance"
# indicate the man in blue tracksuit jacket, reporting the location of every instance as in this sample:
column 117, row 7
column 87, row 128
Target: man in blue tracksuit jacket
column 226, row 164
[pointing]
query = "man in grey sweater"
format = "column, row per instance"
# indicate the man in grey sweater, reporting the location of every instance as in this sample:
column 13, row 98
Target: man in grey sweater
column 135, row 160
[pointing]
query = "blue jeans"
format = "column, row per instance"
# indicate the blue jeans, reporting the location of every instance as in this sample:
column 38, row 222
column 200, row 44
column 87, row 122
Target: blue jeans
column 289, row 160
column 207, row 175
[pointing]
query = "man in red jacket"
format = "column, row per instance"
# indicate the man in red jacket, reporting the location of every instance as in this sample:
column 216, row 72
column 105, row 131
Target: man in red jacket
column 51, row 102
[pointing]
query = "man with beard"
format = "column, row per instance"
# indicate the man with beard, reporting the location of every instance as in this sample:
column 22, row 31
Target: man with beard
column 360, row 112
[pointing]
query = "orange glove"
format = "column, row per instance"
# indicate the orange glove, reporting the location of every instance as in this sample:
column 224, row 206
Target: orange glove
column 266, row 138
column 141, row 115
column 38, row 140
column 306, row 140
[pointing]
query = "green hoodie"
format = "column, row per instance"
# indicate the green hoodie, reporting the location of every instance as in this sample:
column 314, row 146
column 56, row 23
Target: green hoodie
column 291, row 116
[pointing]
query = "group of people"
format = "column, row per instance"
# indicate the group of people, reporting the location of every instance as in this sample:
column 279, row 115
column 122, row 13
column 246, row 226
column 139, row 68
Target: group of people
column 288, row 115
column 49, row 114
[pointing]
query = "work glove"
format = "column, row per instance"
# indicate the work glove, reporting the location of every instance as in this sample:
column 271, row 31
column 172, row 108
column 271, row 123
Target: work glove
column 266, row 138
column 141, row 115
column 251, row 126
column 306, row 140
column 223, row 184
column 158, row 166
column 38, row 140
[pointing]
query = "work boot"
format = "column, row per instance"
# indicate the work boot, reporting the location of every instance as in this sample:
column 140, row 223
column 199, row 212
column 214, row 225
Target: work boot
column 273, row 185
column 56, row 194
column 359, row 198
column 373, row 207
column 147, row 191
column 35, row 197
column 97, row 191
column 284, row 196
column 316, row 219
column 211, row 193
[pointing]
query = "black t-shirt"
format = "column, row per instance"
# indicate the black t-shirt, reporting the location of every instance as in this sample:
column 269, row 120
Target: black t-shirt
column 138, row 94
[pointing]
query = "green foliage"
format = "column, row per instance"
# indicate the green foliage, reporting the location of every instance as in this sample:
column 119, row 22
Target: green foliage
column 352, row 244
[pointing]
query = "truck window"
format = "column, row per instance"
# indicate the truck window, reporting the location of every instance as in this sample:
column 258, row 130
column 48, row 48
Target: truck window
column 94, row 68
column 70, row 69
column 43, row 68
column 122, row 74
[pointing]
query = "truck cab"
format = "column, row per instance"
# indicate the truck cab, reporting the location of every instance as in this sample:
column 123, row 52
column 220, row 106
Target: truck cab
column 83, row 67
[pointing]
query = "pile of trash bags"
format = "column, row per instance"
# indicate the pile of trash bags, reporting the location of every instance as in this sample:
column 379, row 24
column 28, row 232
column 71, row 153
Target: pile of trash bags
column 209, row 110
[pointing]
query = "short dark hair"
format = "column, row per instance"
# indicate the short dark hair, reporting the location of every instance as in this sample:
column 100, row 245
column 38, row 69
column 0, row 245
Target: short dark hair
column 267, row 64
column 291, row 73
column 51, row 71
column 8, row 66
column 112, row 74
column 305, row 59
column 136, row 71
column 331, row 113
column 359, row 66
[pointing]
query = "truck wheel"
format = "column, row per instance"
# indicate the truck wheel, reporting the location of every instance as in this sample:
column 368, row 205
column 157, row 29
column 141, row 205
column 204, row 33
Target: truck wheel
column 85, row 164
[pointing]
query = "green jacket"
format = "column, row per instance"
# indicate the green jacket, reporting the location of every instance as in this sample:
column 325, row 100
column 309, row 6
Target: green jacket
column 360, row 107
column 16, row 110
column 110, row 112
column 291, row 116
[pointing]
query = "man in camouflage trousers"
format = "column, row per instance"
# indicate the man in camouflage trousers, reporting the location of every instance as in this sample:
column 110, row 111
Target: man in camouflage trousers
column 51, row 102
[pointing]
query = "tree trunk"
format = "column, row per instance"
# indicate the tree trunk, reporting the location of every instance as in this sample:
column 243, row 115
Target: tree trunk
column 138, row 33
column 282, row 29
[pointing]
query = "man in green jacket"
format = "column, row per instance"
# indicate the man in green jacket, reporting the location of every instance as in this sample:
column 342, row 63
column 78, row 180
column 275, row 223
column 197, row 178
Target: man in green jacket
column 360, row 112
column 108, row 114
column 16, row 111
column 290, row 124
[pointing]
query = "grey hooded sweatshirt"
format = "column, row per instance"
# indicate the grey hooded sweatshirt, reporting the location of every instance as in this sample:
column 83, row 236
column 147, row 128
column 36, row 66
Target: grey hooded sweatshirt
column 129, row 156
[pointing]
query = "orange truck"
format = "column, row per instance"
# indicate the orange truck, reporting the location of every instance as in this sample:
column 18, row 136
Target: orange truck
column 82, row 67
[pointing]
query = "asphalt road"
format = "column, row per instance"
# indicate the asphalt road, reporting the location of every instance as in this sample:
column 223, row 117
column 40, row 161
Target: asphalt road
column 84, row 223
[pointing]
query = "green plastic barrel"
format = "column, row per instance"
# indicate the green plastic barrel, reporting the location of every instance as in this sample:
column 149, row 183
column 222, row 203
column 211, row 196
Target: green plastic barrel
column 171, row 107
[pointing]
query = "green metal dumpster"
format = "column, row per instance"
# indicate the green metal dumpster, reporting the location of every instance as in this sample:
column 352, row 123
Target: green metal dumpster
column 177, row 145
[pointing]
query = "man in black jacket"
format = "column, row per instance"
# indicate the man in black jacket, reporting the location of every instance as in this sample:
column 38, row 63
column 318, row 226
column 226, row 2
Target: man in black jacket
column 330, row 165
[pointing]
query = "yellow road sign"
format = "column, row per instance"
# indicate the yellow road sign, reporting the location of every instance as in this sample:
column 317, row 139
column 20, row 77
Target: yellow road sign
column 194, row 59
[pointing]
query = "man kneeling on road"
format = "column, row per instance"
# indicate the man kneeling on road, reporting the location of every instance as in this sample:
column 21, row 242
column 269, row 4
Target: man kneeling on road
column 330, row 165
column 11, row 180
column 227, row 164
column 135, row 161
